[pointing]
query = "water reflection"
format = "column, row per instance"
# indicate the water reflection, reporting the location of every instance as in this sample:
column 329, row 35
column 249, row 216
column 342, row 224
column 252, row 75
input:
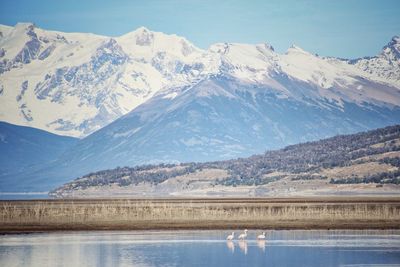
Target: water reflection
column 230, row 245
column 261, row 245
column 201, row 248
column 243, row 246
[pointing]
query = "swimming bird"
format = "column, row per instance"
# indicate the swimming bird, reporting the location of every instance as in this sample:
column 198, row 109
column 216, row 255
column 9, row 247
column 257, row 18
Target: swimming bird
column 231, row 236
column 244, row 235
column 261, row 237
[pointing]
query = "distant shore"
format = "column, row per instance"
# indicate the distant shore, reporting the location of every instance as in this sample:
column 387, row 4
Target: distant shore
column 19, row 216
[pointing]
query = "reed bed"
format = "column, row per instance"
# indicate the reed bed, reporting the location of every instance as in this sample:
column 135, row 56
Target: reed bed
column 185, row 214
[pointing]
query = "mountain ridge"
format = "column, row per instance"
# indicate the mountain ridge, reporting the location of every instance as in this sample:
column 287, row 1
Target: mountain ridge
column 90, row 80
column 148, row 97
column 24, row 148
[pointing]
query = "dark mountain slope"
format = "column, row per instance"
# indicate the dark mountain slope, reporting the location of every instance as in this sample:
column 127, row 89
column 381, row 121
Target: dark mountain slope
column 24, row 148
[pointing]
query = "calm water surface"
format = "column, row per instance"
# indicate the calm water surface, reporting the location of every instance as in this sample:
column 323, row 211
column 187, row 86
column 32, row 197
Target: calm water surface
column 202, row 248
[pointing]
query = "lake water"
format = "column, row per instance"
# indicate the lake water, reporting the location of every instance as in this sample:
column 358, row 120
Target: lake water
column 202, row 248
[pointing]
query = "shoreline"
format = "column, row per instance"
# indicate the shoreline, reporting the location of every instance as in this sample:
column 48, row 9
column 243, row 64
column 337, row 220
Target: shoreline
column 319, row 213
column 283, row 199
column 26, row 229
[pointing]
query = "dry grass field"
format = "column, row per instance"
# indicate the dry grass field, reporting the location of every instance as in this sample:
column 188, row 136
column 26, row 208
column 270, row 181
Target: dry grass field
column 124, row 214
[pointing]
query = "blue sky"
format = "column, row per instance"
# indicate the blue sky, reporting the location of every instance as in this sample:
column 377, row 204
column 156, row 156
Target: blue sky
column 347, row 28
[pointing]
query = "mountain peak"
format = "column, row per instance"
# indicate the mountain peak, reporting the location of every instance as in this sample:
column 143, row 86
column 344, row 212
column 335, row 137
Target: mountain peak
column 141, row 30
column 296, row 49
column 395, row 39
column 23, row 28
column 143, row 36
column 394, row 43
column 393, row 47
column 25, row 25
column 269, row 47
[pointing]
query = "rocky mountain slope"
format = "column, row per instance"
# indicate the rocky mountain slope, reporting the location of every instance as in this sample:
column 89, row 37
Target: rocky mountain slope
column 87, row 81
column 273, row 101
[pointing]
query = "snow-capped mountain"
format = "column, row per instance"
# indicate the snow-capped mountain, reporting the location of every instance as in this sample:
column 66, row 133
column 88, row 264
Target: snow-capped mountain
column 75, row 83
column 152, row 97
column 385, row 66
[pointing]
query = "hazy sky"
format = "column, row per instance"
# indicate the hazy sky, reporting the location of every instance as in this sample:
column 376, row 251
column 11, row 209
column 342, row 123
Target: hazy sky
column 348, row 28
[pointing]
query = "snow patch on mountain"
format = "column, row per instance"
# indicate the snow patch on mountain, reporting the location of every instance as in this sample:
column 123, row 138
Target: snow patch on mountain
column 384, row 67
column 76, row 83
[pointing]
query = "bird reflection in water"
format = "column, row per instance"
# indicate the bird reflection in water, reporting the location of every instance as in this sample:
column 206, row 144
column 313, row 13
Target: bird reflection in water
column 243, row 246
column 261, row 245
column 230, row 245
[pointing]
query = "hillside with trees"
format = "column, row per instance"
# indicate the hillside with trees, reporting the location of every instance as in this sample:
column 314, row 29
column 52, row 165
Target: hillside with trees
column 367, row 157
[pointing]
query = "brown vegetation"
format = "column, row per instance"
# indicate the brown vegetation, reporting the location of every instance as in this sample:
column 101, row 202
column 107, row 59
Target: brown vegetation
column 119, row 214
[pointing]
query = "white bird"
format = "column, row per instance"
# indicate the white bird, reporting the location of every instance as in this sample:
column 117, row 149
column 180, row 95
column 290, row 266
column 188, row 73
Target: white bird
column 244, row 235
column 231, row 236
column 261, row 237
